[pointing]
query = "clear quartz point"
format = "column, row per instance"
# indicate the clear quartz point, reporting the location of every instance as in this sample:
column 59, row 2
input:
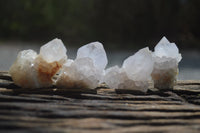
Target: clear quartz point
column 166, row 57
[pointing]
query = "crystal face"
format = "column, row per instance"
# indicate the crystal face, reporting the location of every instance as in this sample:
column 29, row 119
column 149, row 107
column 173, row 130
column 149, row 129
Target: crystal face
column 36, row 71
column 166, row 57
column 86, row 70
column 96, row 52
column 166, row 49
column 134, row 73
column 136, row 65
column 53, row 51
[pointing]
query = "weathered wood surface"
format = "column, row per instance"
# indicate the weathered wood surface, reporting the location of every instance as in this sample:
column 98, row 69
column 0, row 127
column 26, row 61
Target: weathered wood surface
column 100, row 110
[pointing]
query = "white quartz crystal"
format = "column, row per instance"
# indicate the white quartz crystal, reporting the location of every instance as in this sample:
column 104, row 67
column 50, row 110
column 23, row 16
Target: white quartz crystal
column 86, row 70
column 166, row 57
column 134, row 74
column 80, row 74
column 53, row 51
column 166, row 49
column 22, row 71
column 114, row 76
column 36, row 71
column 96, row 52
column 140, row 65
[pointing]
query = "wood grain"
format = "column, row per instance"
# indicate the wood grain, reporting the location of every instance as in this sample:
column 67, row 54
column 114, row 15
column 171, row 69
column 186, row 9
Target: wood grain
column 99, row 110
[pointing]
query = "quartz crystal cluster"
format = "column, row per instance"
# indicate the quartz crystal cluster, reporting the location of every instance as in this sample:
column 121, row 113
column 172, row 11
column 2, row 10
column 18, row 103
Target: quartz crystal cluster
column 166, row 57
column 32, row 70
column 134, row 73
column 87, row 70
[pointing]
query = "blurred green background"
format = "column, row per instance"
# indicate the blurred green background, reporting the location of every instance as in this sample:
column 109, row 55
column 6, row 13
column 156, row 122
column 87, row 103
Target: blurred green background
column 123, row 26
column 116, row 23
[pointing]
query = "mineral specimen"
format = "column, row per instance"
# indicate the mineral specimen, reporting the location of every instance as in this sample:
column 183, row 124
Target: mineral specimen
column 86, row 70
column 32, row 70
column 166, row 57
column 96, row 52
column 134, row 74
column 35, row 71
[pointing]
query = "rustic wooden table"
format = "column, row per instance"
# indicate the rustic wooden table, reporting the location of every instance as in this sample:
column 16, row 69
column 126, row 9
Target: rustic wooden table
column 100, row 110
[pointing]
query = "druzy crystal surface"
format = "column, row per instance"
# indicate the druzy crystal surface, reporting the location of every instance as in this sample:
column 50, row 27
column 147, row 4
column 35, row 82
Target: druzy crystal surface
column 86, row 70
column 166, row 57
column 134, row 74
column 22, row 71
column 32, row 70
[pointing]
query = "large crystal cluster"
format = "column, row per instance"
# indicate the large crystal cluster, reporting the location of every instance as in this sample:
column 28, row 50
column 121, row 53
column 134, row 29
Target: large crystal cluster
column 134, row 74
column 32, row 70
column 86, row 70
column 166, row 57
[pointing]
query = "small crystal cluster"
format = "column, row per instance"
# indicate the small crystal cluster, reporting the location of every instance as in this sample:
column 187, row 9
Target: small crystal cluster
column 32, row 70
column 166, row 57
column 86, row 70
column 134, row 74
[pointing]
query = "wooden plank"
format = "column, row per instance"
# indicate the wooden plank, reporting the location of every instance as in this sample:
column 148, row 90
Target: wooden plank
column 99, row 110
